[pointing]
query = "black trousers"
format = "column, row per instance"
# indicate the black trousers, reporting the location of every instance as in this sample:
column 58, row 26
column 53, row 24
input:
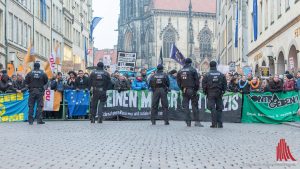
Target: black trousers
column 98, row 95
column 36, row 96
column 190, row 95
column 159, row 94
column 215, row 105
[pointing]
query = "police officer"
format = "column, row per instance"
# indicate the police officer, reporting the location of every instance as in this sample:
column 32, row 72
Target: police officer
column 188, row 81
column 214, row 86
column 36, row 81
column 159, row 83
column 99, row 81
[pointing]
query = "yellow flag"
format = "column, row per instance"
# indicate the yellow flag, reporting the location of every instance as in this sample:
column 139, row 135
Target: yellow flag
column 57, row 54
column 29, row 58
column 47, row 69
column 10, row 69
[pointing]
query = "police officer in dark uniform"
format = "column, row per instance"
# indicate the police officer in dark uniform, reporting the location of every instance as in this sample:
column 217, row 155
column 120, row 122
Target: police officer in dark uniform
column 36, row 81
column 99, row 81
column 159, row 83
column 214, row 86
column 188, row 81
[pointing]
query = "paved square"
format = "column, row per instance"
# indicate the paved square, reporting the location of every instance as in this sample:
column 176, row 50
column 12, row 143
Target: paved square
column 137, row 144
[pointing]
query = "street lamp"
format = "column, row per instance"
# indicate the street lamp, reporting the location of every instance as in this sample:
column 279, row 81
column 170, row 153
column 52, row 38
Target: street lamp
column 270, row 52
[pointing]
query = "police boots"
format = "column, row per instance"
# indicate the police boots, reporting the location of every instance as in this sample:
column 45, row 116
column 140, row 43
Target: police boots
column 40, row 122
column 198, row 124
column 153, row 122
column 100, row 120
column 92, row 119
column 167, row 122
column 188, row 123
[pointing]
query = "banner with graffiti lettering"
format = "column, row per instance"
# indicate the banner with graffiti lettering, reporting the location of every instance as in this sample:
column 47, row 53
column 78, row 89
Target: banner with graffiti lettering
column 271, row 108
column 137, row 105
column 14, row 107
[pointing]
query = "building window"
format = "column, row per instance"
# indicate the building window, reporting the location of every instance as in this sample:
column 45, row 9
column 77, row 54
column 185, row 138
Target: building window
column 205, row 38
column 272, row 11
column 287, row 5
column 169, row 39
column 266, row 16
column 1, row 27
column 15, row 27
column 279, row 8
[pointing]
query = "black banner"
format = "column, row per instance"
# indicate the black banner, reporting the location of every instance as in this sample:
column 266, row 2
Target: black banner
column 137, row 105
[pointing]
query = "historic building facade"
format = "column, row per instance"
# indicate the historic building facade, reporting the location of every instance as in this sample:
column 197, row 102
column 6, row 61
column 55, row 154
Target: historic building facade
column 232, row 36
column 61, row 25
column 2, row 33
column 278, row 41
column 147, row 26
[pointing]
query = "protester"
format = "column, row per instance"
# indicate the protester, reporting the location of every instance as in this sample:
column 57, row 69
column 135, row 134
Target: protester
column 264, row 86
column 81, row 82
column 139, row 83
column 298, row 81
column 71, row 80
column 275, row 84
column 173, row 80
column 122, row 84
column 233, row 85
column 244, row 86
column 144, row 74
column 289, row 84
column 19, row 85
column 255, row 85
column 57, row 82
column 13, row 78
column 5, row 83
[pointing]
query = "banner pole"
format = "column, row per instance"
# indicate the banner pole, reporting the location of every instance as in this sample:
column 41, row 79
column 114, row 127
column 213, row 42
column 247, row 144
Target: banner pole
column 64, row 108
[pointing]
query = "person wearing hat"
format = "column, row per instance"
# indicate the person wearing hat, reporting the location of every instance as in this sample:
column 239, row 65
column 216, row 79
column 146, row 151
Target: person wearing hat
column 189, row 83
column 214, row 86
column 159, row 83
column 36, row 80
column 99, row 82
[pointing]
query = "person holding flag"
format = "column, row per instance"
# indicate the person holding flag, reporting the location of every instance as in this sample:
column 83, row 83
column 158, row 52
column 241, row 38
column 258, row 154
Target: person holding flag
column 36, row 81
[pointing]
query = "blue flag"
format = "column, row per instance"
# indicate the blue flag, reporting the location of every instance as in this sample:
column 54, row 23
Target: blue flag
column 94, row 23
column 236, row 41
column 149, row 71
column 177, row 55
column 78, row 102
column 255, row 19
column 85, row 53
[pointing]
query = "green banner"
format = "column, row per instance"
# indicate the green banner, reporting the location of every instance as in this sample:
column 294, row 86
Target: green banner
column 273, row 108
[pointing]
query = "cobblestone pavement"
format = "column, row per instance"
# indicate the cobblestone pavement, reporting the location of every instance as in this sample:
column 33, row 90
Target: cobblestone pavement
column 137, row 144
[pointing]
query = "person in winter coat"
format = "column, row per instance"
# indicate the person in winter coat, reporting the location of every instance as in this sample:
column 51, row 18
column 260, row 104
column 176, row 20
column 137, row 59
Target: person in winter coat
column 255, row 85
column 5, row 83
column 289, row 84
column 233, row 85
column 71, row 81
column 139, row 83
column 275, row 84
column 173, row 80
column 19, row 85
column 298, row 81
column 244, row 86
column 122, row 84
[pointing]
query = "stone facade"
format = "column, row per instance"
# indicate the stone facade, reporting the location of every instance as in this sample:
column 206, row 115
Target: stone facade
column 65, row 27
column 278, row 42
column 147, row 26
column 227, row 13
column 2, row 32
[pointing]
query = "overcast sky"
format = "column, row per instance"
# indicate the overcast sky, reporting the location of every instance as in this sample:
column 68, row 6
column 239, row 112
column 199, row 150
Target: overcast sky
column 105, row 34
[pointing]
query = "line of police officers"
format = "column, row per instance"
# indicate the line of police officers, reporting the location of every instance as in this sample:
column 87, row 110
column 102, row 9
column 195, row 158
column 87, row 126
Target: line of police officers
column 214, row 86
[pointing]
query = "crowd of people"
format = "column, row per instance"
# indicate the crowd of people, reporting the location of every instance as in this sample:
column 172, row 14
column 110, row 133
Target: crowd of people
column 122, row 82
